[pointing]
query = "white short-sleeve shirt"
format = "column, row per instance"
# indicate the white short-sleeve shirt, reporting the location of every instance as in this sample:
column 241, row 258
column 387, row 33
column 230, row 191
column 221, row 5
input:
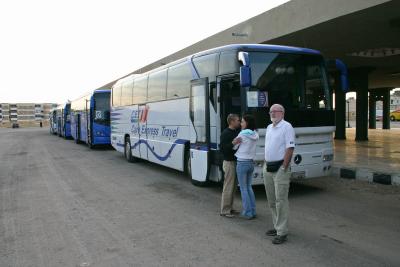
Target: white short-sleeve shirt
column 277, row 139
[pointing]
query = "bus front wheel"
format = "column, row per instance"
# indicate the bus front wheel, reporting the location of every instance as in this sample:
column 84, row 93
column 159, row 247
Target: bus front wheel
column 188, row 171
column 188, row 162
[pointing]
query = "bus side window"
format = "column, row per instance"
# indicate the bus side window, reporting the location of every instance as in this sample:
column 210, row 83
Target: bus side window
column 140, row 90
column 179, row 77
column 126, row 93
column 157, row 86
column 228, row 62
column 116, row 95
column 207, row 66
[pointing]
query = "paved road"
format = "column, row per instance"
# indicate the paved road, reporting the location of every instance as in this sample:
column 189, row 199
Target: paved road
column 62, row 204
column 393, row 124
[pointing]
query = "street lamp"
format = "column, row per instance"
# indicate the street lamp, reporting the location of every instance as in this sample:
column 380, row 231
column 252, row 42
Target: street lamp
column 348, row 114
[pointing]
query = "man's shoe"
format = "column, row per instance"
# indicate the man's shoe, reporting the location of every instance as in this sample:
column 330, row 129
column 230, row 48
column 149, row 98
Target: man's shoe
column 271, row 232
column 247, row 217
column 227, row 215
column 279, row 239
column 235, row 212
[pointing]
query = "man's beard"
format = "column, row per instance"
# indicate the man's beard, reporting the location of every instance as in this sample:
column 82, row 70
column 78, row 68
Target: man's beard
column 275, row 120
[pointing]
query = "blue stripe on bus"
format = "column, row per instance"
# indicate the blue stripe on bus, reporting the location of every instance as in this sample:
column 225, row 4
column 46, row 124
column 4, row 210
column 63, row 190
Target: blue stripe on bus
column 166, row 156
column 198, row 147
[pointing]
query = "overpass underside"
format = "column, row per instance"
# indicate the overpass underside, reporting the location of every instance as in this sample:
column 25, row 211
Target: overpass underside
column 364, row 34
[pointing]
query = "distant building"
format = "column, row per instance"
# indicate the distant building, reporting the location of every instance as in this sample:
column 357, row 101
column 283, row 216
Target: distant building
column 25, row 112
column 394, row 102
column 351, row 108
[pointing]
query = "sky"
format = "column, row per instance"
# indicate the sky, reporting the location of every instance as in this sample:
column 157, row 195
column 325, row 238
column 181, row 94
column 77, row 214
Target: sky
column 53, row 50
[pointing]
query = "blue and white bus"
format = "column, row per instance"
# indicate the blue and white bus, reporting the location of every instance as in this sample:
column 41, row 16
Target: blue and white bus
column 55, row 119
column 66, row 121
column 90, row 118
column 173, row 115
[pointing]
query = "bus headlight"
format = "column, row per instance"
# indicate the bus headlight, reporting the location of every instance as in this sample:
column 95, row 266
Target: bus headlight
column 328, row 157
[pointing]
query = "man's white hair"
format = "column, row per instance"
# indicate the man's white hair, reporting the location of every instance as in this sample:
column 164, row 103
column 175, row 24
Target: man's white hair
column 280, row 107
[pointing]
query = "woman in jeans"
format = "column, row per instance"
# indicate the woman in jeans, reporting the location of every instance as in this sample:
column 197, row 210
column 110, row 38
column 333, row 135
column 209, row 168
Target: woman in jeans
column 245, row 144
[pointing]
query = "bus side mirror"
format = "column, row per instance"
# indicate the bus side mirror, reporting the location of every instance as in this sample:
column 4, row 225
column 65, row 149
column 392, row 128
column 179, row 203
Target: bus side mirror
column 338, row 65
column 245, row 76
column 344, row 81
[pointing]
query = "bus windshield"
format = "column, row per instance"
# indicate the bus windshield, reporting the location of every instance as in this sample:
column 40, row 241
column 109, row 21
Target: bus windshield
column 102, row 108
column 296, row 81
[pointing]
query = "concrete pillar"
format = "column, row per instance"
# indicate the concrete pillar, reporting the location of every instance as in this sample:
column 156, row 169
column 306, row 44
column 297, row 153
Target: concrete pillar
column 359, row 81
column 372, row 110
column 340, row 111
column 386, row 108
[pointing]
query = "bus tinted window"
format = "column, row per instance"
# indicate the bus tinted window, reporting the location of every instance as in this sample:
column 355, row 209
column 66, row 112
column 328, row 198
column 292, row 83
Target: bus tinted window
column 102, row 108
column 179, row 77
column 140, row 90
column 157, row 86
column 116, row 95
column 293, row 80
column 206, row 66
column 127, row 93
column 228, row 62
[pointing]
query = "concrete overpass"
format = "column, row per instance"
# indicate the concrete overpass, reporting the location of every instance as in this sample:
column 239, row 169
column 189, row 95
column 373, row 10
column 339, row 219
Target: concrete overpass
column 365, row 34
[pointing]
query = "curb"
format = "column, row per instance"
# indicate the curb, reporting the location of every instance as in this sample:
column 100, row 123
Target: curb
column 366, row 175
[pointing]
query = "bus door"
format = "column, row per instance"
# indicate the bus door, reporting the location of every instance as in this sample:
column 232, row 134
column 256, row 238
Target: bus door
column 230, row 100
column 59, row 125
column 142, row 130
column 62, row 123
column 200, row 140
column 78, row 127
column 89, row 120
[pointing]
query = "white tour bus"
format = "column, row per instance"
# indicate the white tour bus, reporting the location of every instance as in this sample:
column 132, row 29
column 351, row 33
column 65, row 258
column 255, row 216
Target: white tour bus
column 173, row 115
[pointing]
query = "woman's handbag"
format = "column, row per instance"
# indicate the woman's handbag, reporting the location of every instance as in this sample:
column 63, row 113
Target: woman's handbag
column 274, row 166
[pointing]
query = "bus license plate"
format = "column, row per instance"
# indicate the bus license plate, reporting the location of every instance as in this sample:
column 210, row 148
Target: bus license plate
column 299, row 175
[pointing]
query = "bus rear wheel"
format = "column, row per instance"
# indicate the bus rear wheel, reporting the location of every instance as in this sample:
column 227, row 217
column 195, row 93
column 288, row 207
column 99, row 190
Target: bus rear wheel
column 89, row 143
column 128, row 151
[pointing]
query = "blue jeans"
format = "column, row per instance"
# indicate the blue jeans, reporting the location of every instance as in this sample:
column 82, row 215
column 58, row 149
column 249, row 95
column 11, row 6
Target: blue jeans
column 244, row 171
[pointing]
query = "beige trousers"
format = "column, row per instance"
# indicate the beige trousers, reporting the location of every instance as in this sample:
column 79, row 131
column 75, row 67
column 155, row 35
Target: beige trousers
column 277, row 189
column 229, row 189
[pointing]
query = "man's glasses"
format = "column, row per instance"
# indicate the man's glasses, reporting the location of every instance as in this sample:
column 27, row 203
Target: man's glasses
column 275, row 111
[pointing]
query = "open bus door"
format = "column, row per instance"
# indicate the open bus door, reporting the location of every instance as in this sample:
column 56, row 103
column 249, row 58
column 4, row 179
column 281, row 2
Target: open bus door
column 89, row 121
column 78, row 128
column 200, row 142
column 230, row 97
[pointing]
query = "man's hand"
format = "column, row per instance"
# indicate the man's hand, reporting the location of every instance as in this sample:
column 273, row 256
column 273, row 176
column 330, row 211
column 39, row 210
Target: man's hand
column 237, row 140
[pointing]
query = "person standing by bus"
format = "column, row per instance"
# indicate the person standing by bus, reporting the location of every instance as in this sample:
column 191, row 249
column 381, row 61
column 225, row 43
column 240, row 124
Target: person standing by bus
column 279, row 146
column 245, row 144
column 229, row 165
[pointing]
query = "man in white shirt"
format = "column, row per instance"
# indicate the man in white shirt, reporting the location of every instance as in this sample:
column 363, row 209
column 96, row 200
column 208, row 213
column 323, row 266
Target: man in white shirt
column 279, row 146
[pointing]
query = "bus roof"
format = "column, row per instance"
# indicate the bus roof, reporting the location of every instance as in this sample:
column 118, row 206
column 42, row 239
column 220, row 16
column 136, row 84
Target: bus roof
column 102, row 91
column 232, row 47
column 260, row 47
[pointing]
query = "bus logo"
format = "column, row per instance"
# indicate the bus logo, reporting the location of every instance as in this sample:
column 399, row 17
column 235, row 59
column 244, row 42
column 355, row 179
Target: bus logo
column 135, row 116
column 143, row 114
column 140, row 115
